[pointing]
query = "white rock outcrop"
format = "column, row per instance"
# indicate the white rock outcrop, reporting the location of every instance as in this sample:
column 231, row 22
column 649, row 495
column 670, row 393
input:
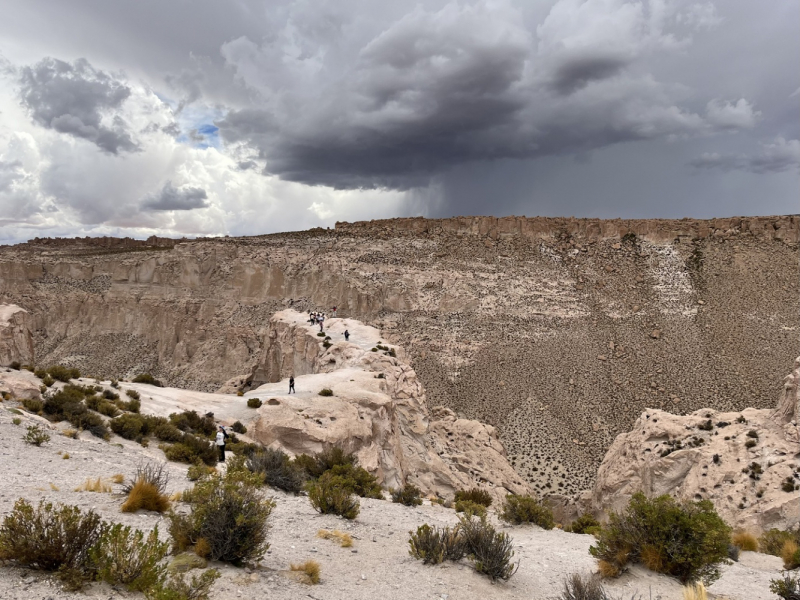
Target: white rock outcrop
column 747, row 463
column 377, row 409
column 16, row 342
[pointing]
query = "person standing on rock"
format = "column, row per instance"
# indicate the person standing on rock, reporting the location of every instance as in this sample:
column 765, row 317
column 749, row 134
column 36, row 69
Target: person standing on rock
column 321, row 321
column 334, row 312
column 346, row 335
column 291, row 384
column 221, row 437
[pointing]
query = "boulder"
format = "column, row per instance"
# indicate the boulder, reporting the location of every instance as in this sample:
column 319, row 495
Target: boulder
column 16, row 343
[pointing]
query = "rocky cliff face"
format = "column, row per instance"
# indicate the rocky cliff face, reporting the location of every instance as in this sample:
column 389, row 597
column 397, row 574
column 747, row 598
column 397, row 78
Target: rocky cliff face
column 558, row 332
column 747, row 463
column 16, row 342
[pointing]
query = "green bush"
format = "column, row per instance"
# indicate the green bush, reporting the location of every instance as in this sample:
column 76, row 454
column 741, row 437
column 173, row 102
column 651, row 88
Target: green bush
column 433, row 545
column 491, row 552
column 177, row 588
column 228, row 512
column 36, row 436
column 586, row 523
column 326, row 392
column 772, row 541
column 133, row 394
column 127, row 557
column 686, row 540
column 323, row 461
column 787, row 588
column 356, row 479
column 254, row 403
column 277, row 469
column 189, row 421
column 129, row 426
column 33, row 405
column 167, row 432
column 578, row 587
column 15, row 364
column 148, row 379
column 328, row 498
column 198, row 471
column 191, row 449
column 62, row 373
column 476, row 495
column 48, row 381
column 51, row 539
column 470, row 508
column 409, row 495
column 239, row 428
column 526, row 509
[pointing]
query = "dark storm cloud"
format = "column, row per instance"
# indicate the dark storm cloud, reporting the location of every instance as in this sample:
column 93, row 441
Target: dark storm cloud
column 74, row 98
column 172, row 198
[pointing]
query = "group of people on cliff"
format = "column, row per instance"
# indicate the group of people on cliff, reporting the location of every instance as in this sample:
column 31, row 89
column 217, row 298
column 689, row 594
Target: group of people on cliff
column 318, row 318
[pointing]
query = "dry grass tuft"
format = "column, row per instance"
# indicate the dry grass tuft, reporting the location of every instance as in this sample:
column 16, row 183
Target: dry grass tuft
column 145, row 495
column 65, row 456
column 310, row 568
column 94, row 485
column 202, row 548
column 71, row 433
column 608, row 569
column 790, row 554
column 54, row 487
column 652, row 558
column 118, row 478
column 695, row 591
column 176, row 497
column 744, row 541
column 344, row 539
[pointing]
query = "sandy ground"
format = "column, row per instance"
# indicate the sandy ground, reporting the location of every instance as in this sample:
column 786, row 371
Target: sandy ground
column 377, row 566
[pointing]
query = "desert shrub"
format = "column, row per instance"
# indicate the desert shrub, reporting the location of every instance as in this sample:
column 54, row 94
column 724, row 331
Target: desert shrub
column 167, row 432
column 686, row 540
column 36, row 436
column 433, row 545
column 323, row 461
column 744, row 541
column 242, row 448
column 128, row 557
column 772, row 541
column 51, row 538
column 40, row 373
column 277, row 470
column 470, row 508
column 133, row 394
column 191, row 449
column 356, row 479
column 310, row 568
column 228, row 512
column 62, row 373
column 586, row 523
column 147, row 378
column 155, row 474
column 198, row 471
column 577, row 587
column 476, row 495
column 254, row 403
column 526, row 509
column 33, row 405
column 751, row 443
column 491, row 552
column 15, row 364
column 108, row 409
column 129, row 426
column 189, row 421
column 109, row 395
column 178, row 588
column 16, row 421
column 409, row 495
column 787, row 588
column 48, row 381
column 342, row 538
column 328, row 498
column 239, row 428
column 326, row 392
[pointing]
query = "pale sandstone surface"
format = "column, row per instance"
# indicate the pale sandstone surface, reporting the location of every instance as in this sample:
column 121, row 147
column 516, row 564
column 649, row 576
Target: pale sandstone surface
column 379, row 554
column 16, row 341
column 558, row 332
column 745, row 484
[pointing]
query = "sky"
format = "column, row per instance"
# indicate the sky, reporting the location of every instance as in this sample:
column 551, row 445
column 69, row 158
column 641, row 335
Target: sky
column 203, row 118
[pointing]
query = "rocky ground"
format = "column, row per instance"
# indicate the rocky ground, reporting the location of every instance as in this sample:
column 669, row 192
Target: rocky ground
column 559, row 332
column 378, row 565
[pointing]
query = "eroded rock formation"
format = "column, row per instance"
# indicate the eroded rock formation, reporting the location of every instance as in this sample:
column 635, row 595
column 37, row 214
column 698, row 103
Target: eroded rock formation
column 16, row 342
column 747, row 463
column 558, row 332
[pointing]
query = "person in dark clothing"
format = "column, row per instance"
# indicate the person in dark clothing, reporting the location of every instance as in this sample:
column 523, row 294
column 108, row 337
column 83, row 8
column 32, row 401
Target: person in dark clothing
column 222, row 435
column 291, row 385
column 346, row 335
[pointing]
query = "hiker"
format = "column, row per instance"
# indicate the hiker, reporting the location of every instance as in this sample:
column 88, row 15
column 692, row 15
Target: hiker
column 321, row 321
column 222, row 435
column 291, row 384
column 334, row 312
column 346, row 335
